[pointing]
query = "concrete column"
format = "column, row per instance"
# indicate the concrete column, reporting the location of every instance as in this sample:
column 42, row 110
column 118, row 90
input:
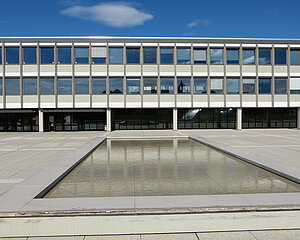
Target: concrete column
column 238, row 119
column 175, row 118
column 108, row 120
column 41, row 121
column 298, row 118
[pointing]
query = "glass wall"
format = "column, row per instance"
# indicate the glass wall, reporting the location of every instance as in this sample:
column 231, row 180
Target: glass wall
column 81, row 85
column 150, row 85
column 183, row 85
column 19, row 122
column 74, row 121
column 216, row 56
column 295, row 56
column 248, row 56
column 133, row 55
column 47, row 85
column 116, row 85
column 280, row 85
column 12, row 86
column 233, row 85
column 183, row 55
column 98, row 55
column 133, row 85
column 12, row 55
column 200, row 85
column 47, row 55
column 81, row 55
column 264, row 56
column 64, row 55
column 29, row 55
column 167, row 85
column 216, row 86
column 125, row 119
column 166, row 55
column 150, row 54
column 280, row 56
column 99, row 85
column 264, row 85
column 232, row 56
column 269, row 118
column 64, row 86
column 29, row 86
column 199, row 56
column 249, row 86
column 116, row 55
column 206, row 118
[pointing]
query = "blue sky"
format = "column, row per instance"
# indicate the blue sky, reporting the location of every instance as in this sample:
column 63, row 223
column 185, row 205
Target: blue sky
column 177, row 18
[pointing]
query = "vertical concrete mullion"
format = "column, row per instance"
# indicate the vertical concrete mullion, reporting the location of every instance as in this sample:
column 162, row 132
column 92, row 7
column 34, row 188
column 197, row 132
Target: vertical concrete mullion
column 192, row 76
column 239, row 119
column 21, row 73
column 158, row 76
column 125, row 74
column 288, row 87
column 225, row 75
column 73, row 73
column 298, row 118
column 175, row 117
column 256, row 80
column 175, row 75
column 108, row 120
column 39, row 79
column 241, row 74
column 273, row 75
column 3, row 76
column 41, row 120
column 142, row 74
column 90, row 78
column 208, row 76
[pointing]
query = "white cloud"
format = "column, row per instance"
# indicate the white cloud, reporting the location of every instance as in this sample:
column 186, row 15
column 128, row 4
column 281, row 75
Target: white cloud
column 117, row 14
column 195, row 23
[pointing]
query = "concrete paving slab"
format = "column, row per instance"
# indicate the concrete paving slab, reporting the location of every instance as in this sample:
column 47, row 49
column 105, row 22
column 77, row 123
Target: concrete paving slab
column 57, row 238
column 226, row 236
column 180, row 236
column 116, row 237
column 277, row 235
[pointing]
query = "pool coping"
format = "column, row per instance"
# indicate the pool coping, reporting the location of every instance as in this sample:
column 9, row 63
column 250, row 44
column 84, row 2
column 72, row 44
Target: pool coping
column 38, row 184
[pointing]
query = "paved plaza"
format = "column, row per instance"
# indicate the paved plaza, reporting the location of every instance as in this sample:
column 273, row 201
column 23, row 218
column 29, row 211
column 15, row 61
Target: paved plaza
column 25, row 154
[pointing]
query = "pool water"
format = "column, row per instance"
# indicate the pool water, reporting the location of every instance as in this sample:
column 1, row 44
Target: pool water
column 163, row 168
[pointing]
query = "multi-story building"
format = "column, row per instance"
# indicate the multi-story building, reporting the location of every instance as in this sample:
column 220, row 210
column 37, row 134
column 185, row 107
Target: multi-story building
column 98, row 83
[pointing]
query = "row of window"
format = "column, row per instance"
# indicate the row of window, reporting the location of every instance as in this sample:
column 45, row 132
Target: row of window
column 149, row 86
column 98, row 55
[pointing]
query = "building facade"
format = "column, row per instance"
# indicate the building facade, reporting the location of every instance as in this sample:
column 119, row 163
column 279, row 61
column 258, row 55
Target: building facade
column 109, row 83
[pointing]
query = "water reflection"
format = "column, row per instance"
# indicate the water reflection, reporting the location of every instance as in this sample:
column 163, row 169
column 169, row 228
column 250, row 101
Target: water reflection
column 165, row 167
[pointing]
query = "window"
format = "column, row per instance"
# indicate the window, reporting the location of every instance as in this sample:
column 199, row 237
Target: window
column 64, row 86
column 183, row 55
column 29, row 86
column 12, row 86
column 166, row 85
column 29, row 55
column 64, row 55
column 264, row 56
column 12, row 55
column 133, row 85
column 280, row 85
column 200, row 85
column 248, row 56
column 99, row 55
column 99, row 85
column 216, row 56
column 295, row 85
column 199, row 56
column 1, row 87
column 232, row 56
column 150, row 85
column 116, row 85
column 82, row 85
column 264, row 85
column 150, row 55
column 233, row 85
column 295, row 56
column 47, row 86
column 47, row 55
column 116, row 55
column 0, row 55
column 183, row 85
column 216, row 85
column 81, row 55
column 167, row 55
column 133, row 55
column 249, row 86
column 280, row 56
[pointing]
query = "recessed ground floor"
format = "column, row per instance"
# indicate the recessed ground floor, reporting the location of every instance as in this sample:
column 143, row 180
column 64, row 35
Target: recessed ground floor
column 33, row 120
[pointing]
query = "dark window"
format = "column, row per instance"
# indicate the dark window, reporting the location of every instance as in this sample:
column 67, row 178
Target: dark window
column 166, row 85
column 200, row 85
column 248, row 56
column 64, row 86
column 29, row 86
column 232, row 56
column 64, row 55
column 99, row 55
column 167, row 55
column 116, row 55
column 99, row 85
column 264, row 56
column 199, row 56
column 12, row 86
column 249, row 86
column 295, row 85
column 29, row 55
column 133, row 85
column 81, row 55
column 116, row 85
column 280, row 85
column 82, row 85
column 150, row 85
column 233, row 85
column 264, row 85
column 47, row 86
column 183, row 56
column 1, row 87
column 280, row 56
column 216, row 56
column 216, row 86
column 183, row 85
column 0, row 55
column 295, row 56
column 150, row 55
column 12, row 55
column 47, row 55
column 133, row 55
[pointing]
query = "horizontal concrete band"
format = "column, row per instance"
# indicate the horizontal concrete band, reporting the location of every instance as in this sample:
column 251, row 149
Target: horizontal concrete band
column 136, row 224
